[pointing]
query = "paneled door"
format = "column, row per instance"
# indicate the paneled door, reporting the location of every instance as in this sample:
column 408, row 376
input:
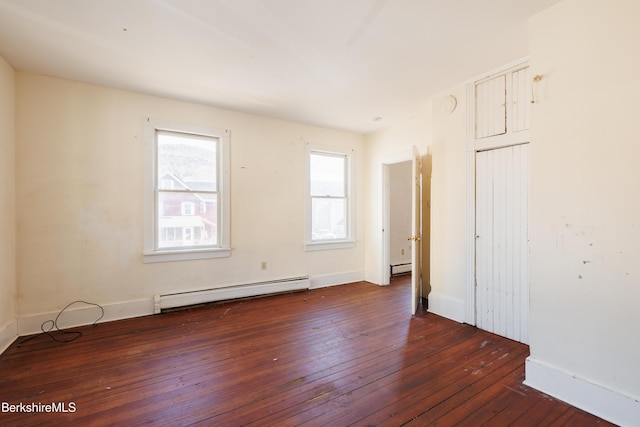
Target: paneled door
column 502, row 262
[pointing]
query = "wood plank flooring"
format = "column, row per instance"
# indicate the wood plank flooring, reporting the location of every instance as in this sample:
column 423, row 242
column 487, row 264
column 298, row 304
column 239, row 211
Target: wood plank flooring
column 339, row 356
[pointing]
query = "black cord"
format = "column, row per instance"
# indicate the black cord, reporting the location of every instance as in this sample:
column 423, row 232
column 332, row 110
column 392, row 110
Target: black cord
column 54, row 324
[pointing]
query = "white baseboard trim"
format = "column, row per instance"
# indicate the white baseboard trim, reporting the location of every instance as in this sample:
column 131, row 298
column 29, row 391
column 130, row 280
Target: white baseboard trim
column 447, row 306
column 605, row 403
column 8, row 334
column 373, row 277
column 336, row 279
column 83, row 314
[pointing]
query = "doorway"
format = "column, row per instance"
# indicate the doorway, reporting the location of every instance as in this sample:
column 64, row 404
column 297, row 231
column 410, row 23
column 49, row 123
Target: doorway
column 410, row 240
column 400, row 187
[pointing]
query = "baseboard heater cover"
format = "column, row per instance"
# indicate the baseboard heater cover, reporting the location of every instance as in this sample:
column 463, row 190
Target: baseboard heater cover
column 397, row 269
column 182, row 299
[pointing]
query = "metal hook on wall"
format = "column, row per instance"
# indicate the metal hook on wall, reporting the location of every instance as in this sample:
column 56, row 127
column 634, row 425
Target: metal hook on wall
column 535, row 80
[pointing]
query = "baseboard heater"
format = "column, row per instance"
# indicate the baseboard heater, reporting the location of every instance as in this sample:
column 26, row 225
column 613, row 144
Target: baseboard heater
column 182, row 299
column 398, row 269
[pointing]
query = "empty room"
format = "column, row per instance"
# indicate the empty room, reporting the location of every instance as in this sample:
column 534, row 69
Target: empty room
column 283, row 212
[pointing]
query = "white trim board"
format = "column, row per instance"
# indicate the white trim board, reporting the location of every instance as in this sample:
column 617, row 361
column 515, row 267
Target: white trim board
column 373, row 277
column 336, row 279
column 607, row 404
column 8, row 334
column 447, row 306
column 83, row 314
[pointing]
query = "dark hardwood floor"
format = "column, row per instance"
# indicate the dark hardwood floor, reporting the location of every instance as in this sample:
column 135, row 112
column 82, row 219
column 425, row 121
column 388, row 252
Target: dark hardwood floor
column 339, row 356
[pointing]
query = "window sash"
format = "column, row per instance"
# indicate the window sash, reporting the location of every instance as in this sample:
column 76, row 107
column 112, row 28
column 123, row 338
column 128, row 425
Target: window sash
column 176, row 208
column 198, row 160
column 329, row 200
column 325, row 165
column 199, row 243
column 329, row 218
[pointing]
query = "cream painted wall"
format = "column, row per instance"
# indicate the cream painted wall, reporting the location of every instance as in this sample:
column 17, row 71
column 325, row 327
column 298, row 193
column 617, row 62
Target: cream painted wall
column 79, row 180
column 8, row 283
column 389, row 146
column 585, row 210
column 79, row 197
column 448, row 208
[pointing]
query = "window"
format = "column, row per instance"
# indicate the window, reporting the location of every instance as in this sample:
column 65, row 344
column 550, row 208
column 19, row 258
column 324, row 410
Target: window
column 188, row 208
column 187, row 168
column 329, row 202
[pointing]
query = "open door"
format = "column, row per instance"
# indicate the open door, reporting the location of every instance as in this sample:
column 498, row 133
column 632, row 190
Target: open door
column 416, row 231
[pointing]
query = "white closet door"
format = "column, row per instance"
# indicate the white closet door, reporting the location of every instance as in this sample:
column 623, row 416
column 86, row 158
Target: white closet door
column 520, row 99
column 502, row 265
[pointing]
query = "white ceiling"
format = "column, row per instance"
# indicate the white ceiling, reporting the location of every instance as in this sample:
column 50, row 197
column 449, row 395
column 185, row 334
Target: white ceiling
column 334, row 63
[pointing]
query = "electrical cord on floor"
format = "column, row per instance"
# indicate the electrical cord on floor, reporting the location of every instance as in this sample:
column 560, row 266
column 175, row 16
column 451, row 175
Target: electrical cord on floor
column 49, row 325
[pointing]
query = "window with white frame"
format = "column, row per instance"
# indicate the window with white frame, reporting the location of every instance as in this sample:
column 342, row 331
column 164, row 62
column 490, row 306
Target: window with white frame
column 329, row 201
column 188, row 208
column 186, row 167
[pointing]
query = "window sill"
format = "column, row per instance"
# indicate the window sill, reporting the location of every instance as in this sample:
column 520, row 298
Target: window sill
column 186, row 255
column 334, row 244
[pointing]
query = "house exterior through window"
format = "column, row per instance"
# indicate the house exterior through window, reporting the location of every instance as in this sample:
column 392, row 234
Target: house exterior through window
column 186, row 193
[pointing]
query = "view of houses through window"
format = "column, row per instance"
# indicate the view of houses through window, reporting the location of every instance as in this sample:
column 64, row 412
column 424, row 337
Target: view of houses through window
column 187, row 191
column 328, row 190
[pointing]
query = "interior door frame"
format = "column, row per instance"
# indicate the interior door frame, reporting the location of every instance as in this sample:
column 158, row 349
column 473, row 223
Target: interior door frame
column 416, row 229
column 385, row 256
column 405, row 156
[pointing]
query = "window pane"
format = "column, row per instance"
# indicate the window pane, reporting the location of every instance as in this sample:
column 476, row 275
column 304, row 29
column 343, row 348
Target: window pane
column 186, row 162
column 180, row 224
column 328, row 219
column 327, row 173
